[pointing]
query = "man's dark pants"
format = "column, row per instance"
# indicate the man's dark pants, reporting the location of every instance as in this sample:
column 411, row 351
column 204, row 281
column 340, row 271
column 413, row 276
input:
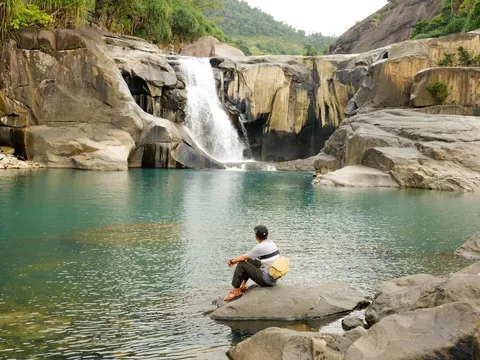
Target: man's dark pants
column 249, row 269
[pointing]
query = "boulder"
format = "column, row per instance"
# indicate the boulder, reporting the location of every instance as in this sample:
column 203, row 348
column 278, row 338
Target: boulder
column 473, row 269
column 438, row 152
column 355, row 334
column 462, row 85
column 352, row 322
column 208, row 46
column 471, row 248
column 397, row 296
column 356, row 176
column 442, row 332
column 291, row 303
column 422, row 291
column 283, row 344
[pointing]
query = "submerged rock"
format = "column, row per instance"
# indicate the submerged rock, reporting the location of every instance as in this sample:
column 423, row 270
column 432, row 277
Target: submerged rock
column 291, row 303
column 471, row 248
column 351, row 322
column 442, row 332
column 283, row 344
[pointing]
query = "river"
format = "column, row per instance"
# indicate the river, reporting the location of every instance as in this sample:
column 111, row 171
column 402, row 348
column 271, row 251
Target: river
column 125, row 264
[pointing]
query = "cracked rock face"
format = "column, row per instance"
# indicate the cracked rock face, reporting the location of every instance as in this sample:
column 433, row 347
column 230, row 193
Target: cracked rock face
column 438, row 152
column 64, row 103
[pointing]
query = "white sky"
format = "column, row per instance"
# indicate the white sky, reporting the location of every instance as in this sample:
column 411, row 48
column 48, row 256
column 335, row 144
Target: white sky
column 330, row 17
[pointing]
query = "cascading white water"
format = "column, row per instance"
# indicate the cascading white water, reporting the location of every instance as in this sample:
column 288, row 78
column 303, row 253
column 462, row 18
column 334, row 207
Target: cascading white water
column 206, row 121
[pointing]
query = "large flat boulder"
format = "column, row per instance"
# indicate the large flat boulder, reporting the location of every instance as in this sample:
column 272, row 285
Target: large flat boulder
column 291, row 303
column 438, row 152
column 208, row 46
column 283, row 344
column 471, row 248
column 443, row 332
column 356, row 176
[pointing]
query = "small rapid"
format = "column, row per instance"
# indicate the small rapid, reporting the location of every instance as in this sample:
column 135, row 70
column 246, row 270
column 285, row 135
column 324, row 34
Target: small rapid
column 206, row 121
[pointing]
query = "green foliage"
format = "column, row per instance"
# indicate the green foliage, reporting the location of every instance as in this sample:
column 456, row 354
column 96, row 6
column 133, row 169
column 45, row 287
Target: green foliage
column 455, row 16
column 473, row 18
column 31, row 17
column 8, row 10
column 252, row 29
column 376, row 19
column 155, row 20
column 461, row 58
column 439, row 90
column 310, row 50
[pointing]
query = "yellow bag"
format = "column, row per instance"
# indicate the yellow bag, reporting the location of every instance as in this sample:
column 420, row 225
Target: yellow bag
column 279, row 268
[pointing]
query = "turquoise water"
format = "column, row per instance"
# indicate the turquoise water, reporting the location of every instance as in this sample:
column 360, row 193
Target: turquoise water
column 124, row 264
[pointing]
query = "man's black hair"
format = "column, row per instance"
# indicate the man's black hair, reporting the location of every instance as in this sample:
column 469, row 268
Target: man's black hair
column 261, row 231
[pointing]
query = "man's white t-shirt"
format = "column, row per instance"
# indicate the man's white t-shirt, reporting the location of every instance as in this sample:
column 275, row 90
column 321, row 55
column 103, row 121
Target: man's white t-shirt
column 266, row 247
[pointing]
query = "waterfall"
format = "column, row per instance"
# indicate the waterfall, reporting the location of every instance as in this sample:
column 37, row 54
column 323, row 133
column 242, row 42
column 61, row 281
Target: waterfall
column 205, row 119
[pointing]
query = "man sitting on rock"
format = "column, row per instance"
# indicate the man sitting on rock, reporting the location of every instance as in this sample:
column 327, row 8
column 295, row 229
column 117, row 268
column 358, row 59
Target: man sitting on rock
column 254, row 264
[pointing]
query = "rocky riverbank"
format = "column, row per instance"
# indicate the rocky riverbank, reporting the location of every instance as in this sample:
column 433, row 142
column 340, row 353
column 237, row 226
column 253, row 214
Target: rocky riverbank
column 9, row 161
column 419, row 317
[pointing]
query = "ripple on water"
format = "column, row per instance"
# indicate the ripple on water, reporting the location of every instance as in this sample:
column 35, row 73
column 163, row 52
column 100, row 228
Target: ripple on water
column 125, row 265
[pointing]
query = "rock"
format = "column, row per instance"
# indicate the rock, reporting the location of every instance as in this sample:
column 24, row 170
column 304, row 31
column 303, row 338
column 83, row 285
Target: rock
column 290, row 303
column 73, row 108
column 397, row 296
column 462, row 85
column 442, row 150
column 351, row 322
column 422, row 291
column 389, row 82
column 443, row 332
column 473, row 269
column 396, row 22
column 208, row 46
column 289, row 104
column 8, row 151
column 471, row 248
column 355, row 334
column 47, row 40
column 358, row 176
column 324, row 163
column 283, row 344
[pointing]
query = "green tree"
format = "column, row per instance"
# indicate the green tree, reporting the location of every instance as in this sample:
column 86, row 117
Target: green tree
column 310, row 50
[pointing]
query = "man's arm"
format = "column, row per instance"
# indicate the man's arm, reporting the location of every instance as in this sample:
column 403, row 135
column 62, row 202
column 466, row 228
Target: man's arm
column 233, row 261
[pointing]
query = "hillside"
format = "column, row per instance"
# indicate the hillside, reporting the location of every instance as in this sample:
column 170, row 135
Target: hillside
column 257, row 33
column 455, row 16
column 391, row 24
column 159, row 21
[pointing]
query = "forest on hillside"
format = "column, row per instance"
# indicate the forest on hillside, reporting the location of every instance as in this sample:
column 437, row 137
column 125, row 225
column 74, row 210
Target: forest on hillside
column 160, row 21
column 256, row 32
column 455, row 16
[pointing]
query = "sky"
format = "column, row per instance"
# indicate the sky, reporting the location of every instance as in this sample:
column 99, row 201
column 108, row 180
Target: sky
column 330, row 17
